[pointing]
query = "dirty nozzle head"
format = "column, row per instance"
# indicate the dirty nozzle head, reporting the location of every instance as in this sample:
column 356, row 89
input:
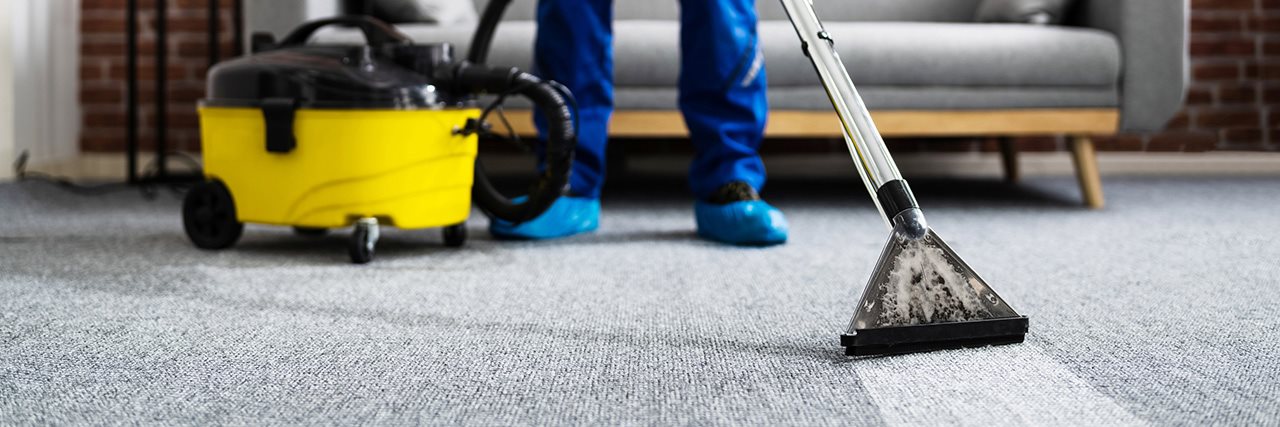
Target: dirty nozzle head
column 922, row 296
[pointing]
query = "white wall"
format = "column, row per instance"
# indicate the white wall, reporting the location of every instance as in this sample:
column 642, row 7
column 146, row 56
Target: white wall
column 6, row 92
column 279, row 17
column 39, row 81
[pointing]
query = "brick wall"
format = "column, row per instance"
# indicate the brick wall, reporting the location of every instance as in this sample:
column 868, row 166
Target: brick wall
column 1233, row 103
column 102, row 70
column 1234, row 99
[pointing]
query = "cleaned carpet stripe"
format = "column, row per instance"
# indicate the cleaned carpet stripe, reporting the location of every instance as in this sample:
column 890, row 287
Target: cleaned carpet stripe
column 1007, row 385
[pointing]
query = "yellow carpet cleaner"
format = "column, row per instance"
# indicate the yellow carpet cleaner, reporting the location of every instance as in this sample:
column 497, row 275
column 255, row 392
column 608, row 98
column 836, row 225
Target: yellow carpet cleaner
column 921, row 295
column 326, row 136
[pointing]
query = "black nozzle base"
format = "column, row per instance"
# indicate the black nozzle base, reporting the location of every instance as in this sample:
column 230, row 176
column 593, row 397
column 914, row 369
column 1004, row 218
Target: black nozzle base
column 937, row 336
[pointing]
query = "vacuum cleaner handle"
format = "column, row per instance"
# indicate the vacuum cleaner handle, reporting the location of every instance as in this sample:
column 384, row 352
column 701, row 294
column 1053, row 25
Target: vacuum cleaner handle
column 376, row 32
column 879, row 173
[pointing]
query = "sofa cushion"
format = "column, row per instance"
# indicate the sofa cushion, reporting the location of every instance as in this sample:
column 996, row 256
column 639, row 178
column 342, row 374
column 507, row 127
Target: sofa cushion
column 440, row 12
column 877, row 53
column 828, row 10
column 884, row 53
column 813, row 98
column 1023, row 11
column 880, row 10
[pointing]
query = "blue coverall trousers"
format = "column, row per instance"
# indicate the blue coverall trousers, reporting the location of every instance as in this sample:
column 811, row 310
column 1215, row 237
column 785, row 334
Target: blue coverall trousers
column 722, row 86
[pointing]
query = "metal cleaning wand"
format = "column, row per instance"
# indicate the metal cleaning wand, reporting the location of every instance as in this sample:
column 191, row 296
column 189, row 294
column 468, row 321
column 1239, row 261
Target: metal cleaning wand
column 889, row 191
column 921, row 295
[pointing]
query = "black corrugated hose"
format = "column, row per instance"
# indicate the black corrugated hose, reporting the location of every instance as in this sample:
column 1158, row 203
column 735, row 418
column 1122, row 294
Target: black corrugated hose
column 561, row 136
column 548, row 97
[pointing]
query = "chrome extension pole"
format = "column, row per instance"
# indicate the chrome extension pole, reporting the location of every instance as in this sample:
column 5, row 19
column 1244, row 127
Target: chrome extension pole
column 879, row 173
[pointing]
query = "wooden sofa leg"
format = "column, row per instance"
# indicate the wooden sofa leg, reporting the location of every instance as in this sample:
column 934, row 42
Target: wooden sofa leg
column 1009, row 158
column 1086, row 161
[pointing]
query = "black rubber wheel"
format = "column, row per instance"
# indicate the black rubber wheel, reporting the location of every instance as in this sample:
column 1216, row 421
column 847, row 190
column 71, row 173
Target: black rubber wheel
column 310, row 231
column 361, row 246
column 209, row 216
column 455, row 235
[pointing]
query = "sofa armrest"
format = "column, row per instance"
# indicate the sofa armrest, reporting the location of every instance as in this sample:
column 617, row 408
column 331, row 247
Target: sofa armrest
column 1153, row 40
column 279, row 17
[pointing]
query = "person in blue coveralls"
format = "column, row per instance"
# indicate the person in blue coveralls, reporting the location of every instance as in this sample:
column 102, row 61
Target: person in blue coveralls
column 722, row 97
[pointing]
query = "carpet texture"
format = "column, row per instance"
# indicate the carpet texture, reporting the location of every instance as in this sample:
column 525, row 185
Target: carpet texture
column 1162, row 309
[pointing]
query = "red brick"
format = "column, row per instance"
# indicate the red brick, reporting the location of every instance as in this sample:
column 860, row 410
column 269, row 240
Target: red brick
column 198, row 4
column 1217, row 24
column 116, row 49
column 1242, row 136
column 179, row 94
column 102, row 95
column 92, row 72
column 1245, row 93
column 194, row 24
column 1240, row 143
column 147, row 71
column 1222, row 46
column 114, row 4
column 1039, row 144
column 1215, row 5
column 1179, row 140
column 1269, row 71
column 1200, row 145
column 1269, row 93
column 102, row 25
column 1271, row 47
column 1199, row 96
column 1234, row 118
column 1124, row 142
column 1215, row 71
column 1181, row 121
column 1250, row 70
column 102, row 141
column 104, row 119
column 1265, row 24
column 200, row 48
column 184, row 119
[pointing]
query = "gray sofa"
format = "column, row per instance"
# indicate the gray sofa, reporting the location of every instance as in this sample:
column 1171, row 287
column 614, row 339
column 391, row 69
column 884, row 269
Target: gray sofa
column 923, row 65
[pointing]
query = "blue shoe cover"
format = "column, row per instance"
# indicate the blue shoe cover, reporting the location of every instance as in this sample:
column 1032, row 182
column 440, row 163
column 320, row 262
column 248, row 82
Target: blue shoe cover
column 566, row 217
column 747, row 223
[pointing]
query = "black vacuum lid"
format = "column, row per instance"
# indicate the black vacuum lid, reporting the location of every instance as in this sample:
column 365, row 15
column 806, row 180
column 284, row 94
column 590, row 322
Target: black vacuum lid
column 388, row 73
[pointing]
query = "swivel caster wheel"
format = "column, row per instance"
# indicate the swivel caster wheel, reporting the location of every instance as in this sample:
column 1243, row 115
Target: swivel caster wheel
column 363, row 240
column 209, row 216
column 310, row 231
column 455, row 235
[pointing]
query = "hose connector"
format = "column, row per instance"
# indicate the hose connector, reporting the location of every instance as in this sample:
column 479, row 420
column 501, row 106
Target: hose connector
column 912, row 224
column 900, row 207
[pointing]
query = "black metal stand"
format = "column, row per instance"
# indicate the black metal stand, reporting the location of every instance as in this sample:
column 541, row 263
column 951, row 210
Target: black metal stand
column 161, row 173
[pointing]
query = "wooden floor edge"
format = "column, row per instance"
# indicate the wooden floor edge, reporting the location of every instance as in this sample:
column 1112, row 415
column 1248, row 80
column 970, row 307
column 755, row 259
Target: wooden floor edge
column 892, row 123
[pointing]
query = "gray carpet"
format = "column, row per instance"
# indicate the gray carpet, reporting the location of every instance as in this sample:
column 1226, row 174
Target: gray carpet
column 1162, row 309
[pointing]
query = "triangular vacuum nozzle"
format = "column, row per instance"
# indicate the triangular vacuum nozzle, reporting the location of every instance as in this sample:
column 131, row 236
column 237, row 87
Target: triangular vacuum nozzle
column 923, row 297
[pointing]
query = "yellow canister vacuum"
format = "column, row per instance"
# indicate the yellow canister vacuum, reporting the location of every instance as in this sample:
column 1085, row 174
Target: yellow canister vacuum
column 322, row 136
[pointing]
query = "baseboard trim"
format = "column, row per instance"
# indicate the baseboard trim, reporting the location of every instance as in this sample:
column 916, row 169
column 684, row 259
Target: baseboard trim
column 97, row 167
column 111, row 166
